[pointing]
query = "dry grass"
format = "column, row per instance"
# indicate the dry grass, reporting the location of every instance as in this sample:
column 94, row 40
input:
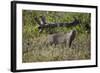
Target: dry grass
column 37, row 49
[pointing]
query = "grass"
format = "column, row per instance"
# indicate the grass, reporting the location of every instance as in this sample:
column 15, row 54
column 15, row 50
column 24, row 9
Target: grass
column 35, row 45
column 37, row 50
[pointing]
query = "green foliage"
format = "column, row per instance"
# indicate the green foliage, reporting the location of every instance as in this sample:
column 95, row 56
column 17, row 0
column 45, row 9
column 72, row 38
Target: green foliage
column 29, row 22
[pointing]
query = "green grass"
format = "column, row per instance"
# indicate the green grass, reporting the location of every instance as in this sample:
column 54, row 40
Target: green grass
column 35, row 45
